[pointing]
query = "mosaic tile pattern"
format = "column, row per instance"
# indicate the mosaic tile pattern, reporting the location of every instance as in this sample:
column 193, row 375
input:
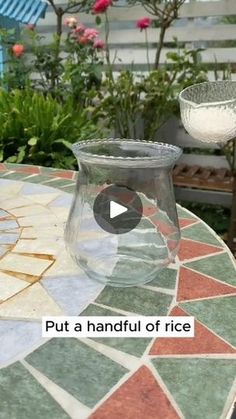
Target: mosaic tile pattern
column 107, row 378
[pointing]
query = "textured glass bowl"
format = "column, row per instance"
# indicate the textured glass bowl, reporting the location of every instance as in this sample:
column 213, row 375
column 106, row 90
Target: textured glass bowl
column 208, row 111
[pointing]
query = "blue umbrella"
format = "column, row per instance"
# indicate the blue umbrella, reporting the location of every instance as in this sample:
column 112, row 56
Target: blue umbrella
column 23, row 11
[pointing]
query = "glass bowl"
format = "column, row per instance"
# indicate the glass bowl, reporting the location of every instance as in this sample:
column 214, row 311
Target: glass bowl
column 208, row 111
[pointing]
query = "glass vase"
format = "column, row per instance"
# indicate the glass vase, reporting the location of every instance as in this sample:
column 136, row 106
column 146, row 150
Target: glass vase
column 147, row 237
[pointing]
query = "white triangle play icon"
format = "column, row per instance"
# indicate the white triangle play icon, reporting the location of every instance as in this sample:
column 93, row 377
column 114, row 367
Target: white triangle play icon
column 116, row 209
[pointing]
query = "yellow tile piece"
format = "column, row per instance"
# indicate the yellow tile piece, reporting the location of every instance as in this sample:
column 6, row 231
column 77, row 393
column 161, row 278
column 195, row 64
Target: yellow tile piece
column 10, row 286
column 32, row 303
column 24, row 264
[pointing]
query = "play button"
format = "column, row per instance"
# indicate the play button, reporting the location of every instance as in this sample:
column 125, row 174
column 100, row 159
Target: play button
column 117, row 209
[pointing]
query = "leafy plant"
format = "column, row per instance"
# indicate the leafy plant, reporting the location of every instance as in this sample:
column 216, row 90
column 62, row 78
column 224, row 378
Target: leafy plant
column 135, row 106
column 165, row 12
column 38, row 129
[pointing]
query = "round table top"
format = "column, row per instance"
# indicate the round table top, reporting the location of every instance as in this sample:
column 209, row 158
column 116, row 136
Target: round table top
column 107, row 378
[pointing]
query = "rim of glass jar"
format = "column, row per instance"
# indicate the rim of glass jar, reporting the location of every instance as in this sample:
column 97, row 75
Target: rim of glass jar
column 153, row 160
column 204, row 104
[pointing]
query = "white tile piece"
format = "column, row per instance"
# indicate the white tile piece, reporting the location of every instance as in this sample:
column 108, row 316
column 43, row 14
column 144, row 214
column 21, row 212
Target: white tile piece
column 3, row 250
column 15, row 202
column 9, row 286
column 60, row 212
column 3, row 214
column 35, row 220
column 72, row 292
column 63, row 266
column 32, row 303
column 11, row 187
column 17, row 337
column 64, row 200
column 37, row 232
column 39, row 246
column 36, row 188
column 8, row 238
column 8, row 224
column 32, row 209
column 24, row 264
column 44, row 198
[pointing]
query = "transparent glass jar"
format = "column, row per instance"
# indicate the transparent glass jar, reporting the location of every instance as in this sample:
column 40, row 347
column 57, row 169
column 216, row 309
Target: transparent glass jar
column 136, row 256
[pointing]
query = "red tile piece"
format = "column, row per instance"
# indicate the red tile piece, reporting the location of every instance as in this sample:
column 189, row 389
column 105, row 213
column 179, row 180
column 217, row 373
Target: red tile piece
column 2, row 167
column 31, row 170
column 138, row 398
column 185, row 222
column 172, row 244
column 194, row 285
column 164, row 228
column 204, row 342
column 190, row 249
column 150, row 211
column 67, row 174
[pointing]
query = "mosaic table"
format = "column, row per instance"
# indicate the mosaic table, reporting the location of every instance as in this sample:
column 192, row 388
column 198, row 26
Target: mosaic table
column 110, row 378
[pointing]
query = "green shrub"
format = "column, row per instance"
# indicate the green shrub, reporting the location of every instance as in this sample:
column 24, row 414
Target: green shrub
column 37, row 129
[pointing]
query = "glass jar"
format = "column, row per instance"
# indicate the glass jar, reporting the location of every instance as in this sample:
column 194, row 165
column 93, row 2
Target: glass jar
column 134, row 256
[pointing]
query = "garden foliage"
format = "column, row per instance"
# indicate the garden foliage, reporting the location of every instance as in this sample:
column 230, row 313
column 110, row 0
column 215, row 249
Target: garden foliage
column 67, row 91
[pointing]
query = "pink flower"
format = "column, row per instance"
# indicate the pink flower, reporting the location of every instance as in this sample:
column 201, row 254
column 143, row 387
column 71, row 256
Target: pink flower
column 71, row 22
column 143, row 23
column 91, row 34
column 99, row 44
column 18, row 50
column 80, row 29
column 101, row 6
column 31, row 27
column 83, row 40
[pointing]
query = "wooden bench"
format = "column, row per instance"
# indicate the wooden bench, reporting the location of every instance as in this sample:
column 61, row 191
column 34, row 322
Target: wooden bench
column 203, row 178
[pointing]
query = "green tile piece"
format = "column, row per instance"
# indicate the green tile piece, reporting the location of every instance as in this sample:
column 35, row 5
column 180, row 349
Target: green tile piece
column 80, row 370
column 182, row 213
column 93, row 310
column 13, row 166
column 219, row 314
column 59, row 183
column 219, row 267
column 165, row 279
column 68, row 189
column 200, row 233
column 38, row 179
column 21, row 396
column 15, row 176
column 136, row 300
column 132, row 346
column 131, row 271
column 199, row 386
column 48, row 170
